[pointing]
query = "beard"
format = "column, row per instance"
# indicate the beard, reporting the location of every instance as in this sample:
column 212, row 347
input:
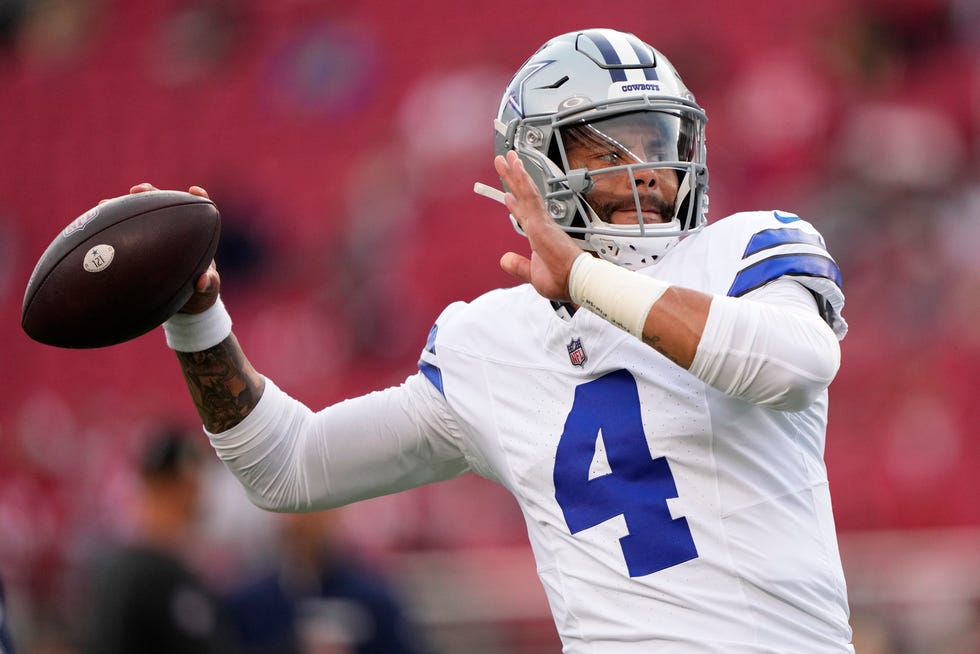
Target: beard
column 605, row 205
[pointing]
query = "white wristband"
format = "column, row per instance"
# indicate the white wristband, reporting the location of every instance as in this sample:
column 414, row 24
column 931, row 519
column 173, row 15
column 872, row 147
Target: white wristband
column 616, row 294
column 195, row 332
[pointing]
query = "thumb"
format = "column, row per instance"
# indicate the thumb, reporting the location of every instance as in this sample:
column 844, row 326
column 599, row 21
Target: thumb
column 209, row 282
column 516, row 265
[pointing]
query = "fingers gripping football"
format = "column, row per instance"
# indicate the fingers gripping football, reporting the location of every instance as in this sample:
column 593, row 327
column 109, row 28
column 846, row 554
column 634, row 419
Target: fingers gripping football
column 552, row 250
column 208, row 285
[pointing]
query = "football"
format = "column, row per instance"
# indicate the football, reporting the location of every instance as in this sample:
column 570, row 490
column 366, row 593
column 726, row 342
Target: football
column 120, row 269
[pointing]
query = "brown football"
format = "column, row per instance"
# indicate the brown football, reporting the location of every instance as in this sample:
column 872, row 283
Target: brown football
column 120, row 269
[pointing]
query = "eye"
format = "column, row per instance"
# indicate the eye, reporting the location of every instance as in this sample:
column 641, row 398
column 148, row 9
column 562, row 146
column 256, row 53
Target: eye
column 611, row 157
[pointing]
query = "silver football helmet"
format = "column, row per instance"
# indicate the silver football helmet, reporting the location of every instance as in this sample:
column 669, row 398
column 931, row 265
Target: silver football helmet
column 572, row 113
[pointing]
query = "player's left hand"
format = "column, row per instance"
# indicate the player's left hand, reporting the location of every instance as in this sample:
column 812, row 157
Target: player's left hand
column 552, row 250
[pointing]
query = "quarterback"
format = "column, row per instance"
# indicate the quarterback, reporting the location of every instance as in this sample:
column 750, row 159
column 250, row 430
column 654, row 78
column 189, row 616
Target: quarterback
column 654, row 394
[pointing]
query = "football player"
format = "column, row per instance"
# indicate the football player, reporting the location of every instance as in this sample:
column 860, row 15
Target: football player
column 654, row 396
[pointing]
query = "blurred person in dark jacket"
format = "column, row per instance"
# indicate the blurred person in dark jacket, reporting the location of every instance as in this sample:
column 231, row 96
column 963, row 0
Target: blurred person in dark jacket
column 144, row 596
column 6, row 642
column 320, row 598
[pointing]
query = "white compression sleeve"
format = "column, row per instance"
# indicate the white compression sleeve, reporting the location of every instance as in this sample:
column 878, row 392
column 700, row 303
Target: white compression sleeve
column 771, row 348
column 289, row 458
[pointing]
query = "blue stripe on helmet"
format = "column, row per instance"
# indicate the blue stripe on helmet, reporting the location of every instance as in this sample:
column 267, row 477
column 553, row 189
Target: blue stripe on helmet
column 645, row 57
column 767, row 270
column 609, row 54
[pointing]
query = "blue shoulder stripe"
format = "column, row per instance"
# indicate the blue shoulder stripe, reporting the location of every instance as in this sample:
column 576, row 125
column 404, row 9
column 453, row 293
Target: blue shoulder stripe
column 430, row 340
column 433, row 374
column 804, row 265
column 770, row 238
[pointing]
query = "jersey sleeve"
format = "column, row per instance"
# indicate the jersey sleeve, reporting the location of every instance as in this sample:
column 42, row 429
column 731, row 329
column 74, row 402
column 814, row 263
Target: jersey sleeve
column 290, row 458
column 775, row 245
column 429, row 365
column 769, row 348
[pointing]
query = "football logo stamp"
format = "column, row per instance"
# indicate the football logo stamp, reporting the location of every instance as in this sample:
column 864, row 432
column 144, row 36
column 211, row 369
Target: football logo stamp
column 80, row 222
column 99, row 258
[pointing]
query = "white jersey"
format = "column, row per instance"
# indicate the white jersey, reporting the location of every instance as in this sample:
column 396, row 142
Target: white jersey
column 664, row 515
column 660, row 510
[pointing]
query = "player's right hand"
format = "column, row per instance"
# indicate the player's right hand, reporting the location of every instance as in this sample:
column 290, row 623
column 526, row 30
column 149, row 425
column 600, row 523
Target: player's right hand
column 208, row 285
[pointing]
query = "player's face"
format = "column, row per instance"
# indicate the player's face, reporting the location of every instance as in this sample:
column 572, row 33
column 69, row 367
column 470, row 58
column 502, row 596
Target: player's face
column 620, row 142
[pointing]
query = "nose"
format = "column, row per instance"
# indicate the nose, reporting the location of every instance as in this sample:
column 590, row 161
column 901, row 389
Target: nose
column 649, row 177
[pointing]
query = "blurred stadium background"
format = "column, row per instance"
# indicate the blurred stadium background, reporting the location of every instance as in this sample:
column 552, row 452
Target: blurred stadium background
column 341, row 142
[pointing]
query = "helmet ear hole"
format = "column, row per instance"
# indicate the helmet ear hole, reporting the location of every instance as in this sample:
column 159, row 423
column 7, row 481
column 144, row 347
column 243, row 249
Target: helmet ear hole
column 553, row 153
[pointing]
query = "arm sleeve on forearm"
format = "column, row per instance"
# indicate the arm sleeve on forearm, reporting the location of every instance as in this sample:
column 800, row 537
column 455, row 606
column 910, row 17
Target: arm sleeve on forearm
column 770, row 348
column 290, row 458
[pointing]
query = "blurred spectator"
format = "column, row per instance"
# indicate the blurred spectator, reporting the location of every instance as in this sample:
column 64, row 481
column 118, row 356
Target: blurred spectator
column 51, row 33
column 143, row 594
column 11, row 13
column 874, row 635
column 6, row 642
column 318, row 599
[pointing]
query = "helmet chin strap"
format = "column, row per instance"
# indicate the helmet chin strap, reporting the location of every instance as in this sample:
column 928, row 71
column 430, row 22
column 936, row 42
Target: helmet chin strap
column 486, row 191
column 496, row 195
column 629, row 251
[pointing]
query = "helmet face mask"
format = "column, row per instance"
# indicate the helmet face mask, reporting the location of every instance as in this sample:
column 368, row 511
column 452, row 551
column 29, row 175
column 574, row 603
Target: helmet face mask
column 616, row 149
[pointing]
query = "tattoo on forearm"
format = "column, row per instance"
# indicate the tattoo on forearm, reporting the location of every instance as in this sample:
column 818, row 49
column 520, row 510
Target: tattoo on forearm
column 224, row 386
column 654, row 342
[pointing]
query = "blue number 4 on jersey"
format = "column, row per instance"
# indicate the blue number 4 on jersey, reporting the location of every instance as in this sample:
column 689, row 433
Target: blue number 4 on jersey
column 637, row 486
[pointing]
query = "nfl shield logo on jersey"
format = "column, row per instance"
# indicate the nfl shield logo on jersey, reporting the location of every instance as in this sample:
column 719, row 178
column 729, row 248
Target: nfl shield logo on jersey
column 576, row 352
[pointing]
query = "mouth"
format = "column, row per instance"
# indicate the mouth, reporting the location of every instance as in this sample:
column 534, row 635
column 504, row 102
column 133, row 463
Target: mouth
column 628, row 216
column 620, row 210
